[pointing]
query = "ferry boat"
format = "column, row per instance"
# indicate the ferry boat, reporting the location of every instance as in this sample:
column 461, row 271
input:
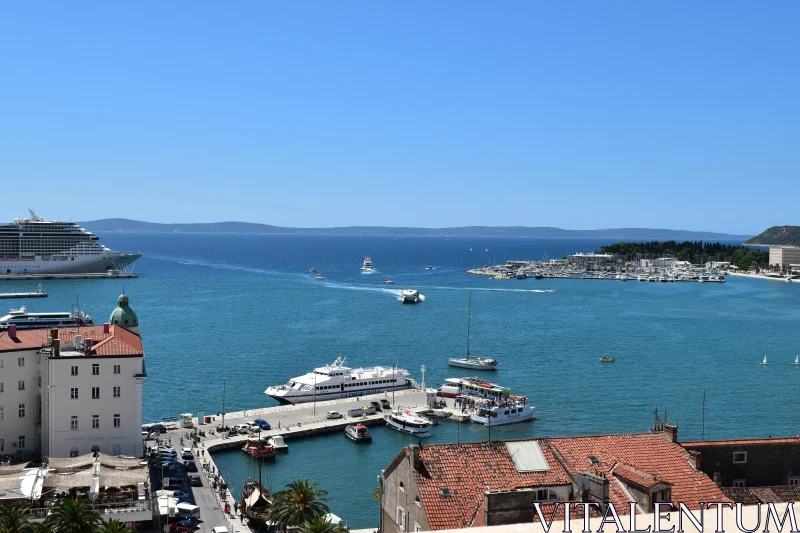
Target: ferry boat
column 339, row 381
column 358, row 433
column 25, row 320
column 472, row 386
column 36, row 246
column 410, row 296
column 405, row 421
column 469, row 361
column 367, row 266
column 259, row 449
column 511, row 410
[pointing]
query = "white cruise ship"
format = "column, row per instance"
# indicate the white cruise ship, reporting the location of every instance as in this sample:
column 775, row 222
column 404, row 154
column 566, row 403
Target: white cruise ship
column 36, row 246
column 338, row 381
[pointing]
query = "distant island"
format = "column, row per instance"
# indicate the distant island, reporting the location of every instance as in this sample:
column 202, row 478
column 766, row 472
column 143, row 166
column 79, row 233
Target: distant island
column 127, row 225
column 777, row 236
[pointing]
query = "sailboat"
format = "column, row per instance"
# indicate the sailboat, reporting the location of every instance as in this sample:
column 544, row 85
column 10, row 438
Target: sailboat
column 256, row 501
column 796, row 360
column 764, row 362
column 475, row 363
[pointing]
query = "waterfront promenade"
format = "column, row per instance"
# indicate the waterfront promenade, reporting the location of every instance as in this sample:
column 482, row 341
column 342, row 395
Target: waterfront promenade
column 289, row 421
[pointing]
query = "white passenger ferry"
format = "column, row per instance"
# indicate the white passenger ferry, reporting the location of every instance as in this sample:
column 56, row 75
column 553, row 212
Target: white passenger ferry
column 510, row 410
column 23, row 319
column 339, row 381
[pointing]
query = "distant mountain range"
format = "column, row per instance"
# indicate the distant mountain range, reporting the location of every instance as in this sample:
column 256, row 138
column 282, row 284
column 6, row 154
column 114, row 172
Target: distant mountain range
column 127, row 225
column 778, row 236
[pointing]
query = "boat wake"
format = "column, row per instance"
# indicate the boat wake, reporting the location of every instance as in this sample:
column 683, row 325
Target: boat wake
column 220, row 266
column 366, row 288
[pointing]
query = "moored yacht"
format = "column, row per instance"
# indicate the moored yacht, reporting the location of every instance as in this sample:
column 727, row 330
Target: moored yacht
column 469, row 361
column 404, row 420
column 511, row 410
column 367, row 266
column 339, row 381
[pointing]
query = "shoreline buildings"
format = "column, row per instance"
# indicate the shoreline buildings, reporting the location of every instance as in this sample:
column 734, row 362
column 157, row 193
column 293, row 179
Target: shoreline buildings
column 66, row 392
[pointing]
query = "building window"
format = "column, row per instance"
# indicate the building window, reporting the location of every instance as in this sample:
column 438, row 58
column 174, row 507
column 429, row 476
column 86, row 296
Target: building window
column 21, row 442
column 95, row 421
column 2, row 387
column 73, row 423
column 95, row 369
column 117, row 392
column 39, row 381
column 402, row 487
column 73, row 393
column 116, row 369
column 739, row 457
column 400, row 518
column 2, row 413
column 793, row 480
column 21, row 384
column 73, row 371
column 95, row 393
column 116, row 421
column 543, row 495
column 2, row 363
column 21, row 361
column 21, row 412
column 2, row 445
column 739, row 483
column 416, row 500
column 116, row 450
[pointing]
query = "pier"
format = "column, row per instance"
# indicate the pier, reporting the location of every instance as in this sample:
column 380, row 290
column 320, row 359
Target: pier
column 100, row 275
column 37, row 294
column 290, row 422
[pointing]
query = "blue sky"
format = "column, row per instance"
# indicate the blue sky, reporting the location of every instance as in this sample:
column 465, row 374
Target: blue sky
column 681, row 115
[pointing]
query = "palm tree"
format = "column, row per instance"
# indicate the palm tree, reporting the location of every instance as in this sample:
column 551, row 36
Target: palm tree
column 299, row 502
column 376, row 494
column 15, row 520
column 72, row 516
column 321, row 524
column 115, row 526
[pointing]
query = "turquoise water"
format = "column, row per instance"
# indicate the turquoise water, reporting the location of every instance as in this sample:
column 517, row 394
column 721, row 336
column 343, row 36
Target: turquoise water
column 244, row 307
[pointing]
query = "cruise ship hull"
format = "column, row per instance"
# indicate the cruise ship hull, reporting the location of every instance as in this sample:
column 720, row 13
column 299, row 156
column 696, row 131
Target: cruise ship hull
column 72, row 264
column 286, row 397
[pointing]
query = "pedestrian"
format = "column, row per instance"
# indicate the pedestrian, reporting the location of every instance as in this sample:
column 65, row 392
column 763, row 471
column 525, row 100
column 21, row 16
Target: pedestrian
column 279, row 424
column 236, row 507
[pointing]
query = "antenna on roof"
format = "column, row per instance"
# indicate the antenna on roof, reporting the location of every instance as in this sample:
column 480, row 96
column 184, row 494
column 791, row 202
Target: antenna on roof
column 703, row 434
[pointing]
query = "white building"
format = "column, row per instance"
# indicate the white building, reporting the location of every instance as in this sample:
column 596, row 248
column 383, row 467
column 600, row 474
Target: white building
column 717, row 265
column 591, row 259
column 65, row 391
column 783, row 256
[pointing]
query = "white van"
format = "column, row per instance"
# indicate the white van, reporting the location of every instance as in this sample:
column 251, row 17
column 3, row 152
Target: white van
column 189, row 510
column 220, row 529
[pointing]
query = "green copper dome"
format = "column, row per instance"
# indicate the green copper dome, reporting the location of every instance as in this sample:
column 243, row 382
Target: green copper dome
column 124, row 315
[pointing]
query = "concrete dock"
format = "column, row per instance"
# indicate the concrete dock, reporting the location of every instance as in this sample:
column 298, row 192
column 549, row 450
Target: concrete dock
column 8, row 295
column 289, row 421
column 101, row 275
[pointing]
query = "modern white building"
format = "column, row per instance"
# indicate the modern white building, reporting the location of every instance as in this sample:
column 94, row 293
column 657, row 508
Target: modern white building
column 591, row 259
column 783, row 256
column 66, row 392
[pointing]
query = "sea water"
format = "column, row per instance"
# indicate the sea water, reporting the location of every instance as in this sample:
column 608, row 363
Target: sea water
column 245, row 307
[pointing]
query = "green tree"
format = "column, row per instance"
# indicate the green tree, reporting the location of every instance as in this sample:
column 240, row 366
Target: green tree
column 115, row 526
column 72, row 516
column 15, row 520
column 320, row 524
column 376, row 494
column 301, row 501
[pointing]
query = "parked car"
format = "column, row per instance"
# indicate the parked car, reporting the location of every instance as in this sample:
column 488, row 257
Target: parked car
column 195, row 480
column 158, row 428
column 187, row 456
column 5, row 460
column 261, row 423
column 191, row 466
column 242, row 429
column 165, row 449
column 333, row 415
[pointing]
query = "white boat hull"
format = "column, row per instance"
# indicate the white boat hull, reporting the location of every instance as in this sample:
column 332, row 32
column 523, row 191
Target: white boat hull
column 502, row 419
column 74, row 264
column 294, row 397
column 473, row 365
column 411, row 430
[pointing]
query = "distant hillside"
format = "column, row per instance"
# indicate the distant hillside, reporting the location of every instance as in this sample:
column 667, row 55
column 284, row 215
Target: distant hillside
column 778, row 235
column 127, row 225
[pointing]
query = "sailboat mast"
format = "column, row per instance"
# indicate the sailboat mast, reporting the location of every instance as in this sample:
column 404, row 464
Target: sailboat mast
column 469, row 320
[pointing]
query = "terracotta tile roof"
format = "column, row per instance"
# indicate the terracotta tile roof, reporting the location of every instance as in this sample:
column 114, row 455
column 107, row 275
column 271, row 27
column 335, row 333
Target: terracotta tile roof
column 470, row 469
column 740, row 442
column 647, row 452
column 740, row 494
column 754, row 495
column 118, row 341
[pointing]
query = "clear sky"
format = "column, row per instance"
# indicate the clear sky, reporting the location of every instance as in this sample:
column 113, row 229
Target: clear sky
column 680, row 115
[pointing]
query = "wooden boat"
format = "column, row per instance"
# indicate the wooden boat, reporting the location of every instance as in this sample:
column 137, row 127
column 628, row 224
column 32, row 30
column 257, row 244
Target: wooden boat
column 358, row 433
column 256, row 501
column 607, row 359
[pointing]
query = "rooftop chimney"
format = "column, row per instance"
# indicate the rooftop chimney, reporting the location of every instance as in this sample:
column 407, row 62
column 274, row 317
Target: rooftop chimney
column 89, row 342
column 53, row 334
column 56, row 347
column 106, row 328
column 671, row 431
column 12, row 331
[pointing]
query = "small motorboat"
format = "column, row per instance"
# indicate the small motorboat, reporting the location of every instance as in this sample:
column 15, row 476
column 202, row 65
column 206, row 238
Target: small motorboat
column 407, row 422
column 278, row 443
column 358, row 433
column 549, row 290
column 607, row 359
column 258, row 449
column 410, row 296
column 319, row 276
column 313, row 270
column 429, row 267
column 388, row 281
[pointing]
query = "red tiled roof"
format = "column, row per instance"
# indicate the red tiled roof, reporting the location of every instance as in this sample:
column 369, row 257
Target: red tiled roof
column 118, row 341
column 468, row 470
column 740, row 442
column 647, row 452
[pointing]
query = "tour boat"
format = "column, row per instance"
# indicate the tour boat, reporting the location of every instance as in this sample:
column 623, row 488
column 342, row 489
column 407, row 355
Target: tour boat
column 477, row 363
column 407, row 422
column 258, row 449
column 410, row 296
column 472, row 386
column 499, row 413
column 336, row 380
column 358, row 433
column 367, row 266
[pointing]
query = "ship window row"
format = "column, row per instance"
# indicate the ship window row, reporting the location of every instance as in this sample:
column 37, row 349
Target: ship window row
column 367, row 383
